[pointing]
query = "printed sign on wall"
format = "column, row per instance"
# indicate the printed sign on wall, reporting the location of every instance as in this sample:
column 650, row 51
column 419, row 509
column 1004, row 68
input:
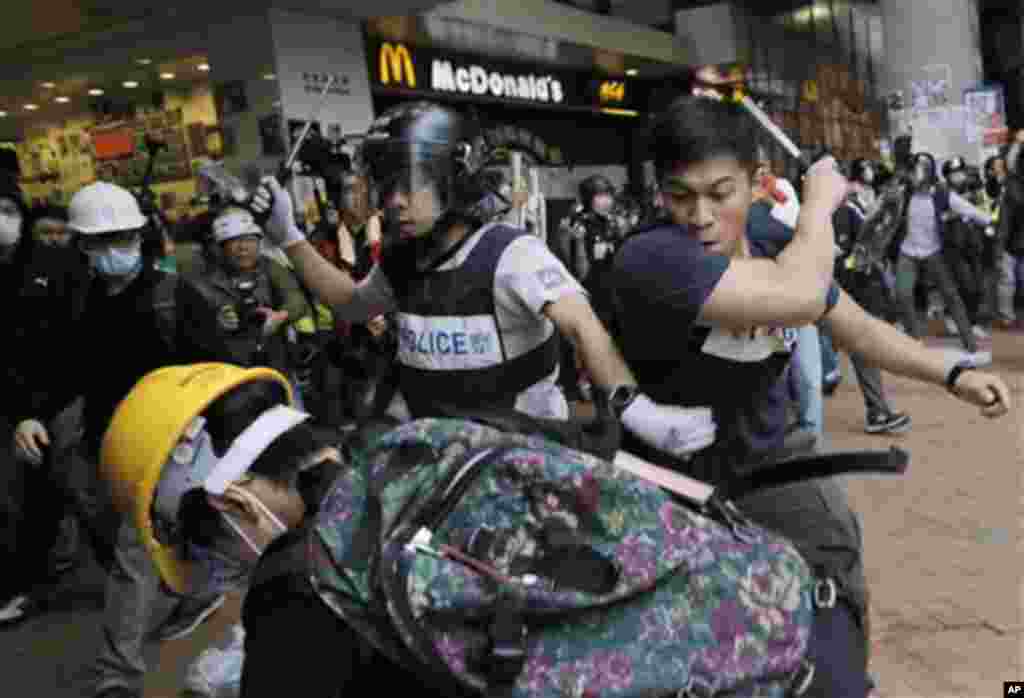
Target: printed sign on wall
column 309, row 51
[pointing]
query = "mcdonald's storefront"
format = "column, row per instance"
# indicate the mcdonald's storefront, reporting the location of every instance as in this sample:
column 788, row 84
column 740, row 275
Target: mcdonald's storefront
column 560, row 118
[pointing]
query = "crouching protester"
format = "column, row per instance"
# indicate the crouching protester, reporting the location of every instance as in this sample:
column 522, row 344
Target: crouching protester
column 444, row 557
column 729, row 302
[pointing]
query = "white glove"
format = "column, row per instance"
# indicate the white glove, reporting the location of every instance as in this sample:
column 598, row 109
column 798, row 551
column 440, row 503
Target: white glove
column 678, row 431
column 29, row 436
column 271, row 197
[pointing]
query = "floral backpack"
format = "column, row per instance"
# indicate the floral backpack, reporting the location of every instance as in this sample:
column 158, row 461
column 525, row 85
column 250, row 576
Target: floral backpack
column 508, row 565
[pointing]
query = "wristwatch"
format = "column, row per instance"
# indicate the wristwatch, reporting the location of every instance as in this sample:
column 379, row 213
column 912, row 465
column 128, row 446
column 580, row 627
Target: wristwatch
column 954, row 374
column 621, row 397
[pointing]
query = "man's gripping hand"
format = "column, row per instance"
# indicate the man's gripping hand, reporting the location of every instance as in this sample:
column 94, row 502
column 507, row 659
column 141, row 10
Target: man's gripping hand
column 273, row 201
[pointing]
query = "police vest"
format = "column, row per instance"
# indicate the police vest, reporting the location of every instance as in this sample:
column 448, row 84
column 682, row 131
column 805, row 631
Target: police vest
column 450, row 344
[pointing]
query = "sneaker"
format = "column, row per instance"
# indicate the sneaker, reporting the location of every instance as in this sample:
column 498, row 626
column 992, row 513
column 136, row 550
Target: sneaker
column 882, row 423
column 217, row 672
column 188, row 615
column 17, row 608
column 118, row 692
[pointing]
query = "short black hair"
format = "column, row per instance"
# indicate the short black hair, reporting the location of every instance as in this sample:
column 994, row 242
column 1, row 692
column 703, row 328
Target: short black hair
column 59, row 213
column 226, row 419
column 696, row 129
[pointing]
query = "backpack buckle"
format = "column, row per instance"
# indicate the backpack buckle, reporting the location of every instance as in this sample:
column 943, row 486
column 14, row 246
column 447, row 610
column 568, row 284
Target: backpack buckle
column 802, row 678
column 826, row 593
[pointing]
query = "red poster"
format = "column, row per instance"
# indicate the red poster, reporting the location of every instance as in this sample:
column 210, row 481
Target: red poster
column 110, row 145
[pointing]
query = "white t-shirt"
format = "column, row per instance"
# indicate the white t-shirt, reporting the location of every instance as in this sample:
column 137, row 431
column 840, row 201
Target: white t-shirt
column 528, row 278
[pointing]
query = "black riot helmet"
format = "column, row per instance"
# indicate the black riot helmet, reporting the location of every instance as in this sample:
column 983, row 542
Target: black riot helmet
column 923, row 171
column 993, row 186
column 954, row 171
column 592, row 186
column 864, row 171
column 422, row 145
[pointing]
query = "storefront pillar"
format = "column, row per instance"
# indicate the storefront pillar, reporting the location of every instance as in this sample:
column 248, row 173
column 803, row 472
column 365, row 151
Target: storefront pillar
column 935, row 40
column 268, row 90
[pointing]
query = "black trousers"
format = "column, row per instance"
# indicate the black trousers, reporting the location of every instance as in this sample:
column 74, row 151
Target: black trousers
column 966, row 266
column 36, row 498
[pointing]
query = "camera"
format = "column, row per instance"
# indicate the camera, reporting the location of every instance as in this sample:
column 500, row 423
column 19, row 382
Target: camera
column 247, row 313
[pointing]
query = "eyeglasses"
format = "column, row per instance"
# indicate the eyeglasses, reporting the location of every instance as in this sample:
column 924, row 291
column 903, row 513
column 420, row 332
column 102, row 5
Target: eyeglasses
column 97, row 243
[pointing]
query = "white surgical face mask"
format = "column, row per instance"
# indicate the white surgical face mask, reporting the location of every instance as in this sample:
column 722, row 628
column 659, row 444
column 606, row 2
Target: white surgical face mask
column 115, row 261
column 10, row 229
column 868, row 177
column 279, row 527
column 603, row 203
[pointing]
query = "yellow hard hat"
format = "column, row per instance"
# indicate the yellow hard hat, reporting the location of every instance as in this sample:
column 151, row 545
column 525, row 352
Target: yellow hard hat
column 144, row 431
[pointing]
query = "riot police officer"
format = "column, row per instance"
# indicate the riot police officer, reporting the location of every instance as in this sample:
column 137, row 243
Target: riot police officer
column 591, row 235
column 964, row 246
column 479, row 306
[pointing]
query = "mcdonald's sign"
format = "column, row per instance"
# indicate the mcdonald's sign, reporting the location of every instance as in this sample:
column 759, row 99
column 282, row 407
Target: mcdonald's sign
column 396, row 65
column 612, row 91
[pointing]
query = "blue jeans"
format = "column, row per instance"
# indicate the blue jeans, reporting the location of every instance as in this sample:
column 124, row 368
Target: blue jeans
column 806, row 375
column 829, row 357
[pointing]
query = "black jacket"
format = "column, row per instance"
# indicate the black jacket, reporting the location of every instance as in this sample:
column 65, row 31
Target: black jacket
column 107, row 344
column 1011, row 216
column 41, row 290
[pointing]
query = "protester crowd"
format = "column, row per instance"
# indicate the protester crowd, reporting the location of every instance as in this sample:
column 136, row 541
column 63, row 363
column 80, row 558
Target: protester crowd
column 413, row 298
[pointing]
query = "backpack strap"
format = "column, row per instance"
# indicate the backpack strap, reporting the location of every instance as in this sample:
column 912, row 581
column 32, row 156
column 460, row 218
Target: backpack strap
column 891, row 462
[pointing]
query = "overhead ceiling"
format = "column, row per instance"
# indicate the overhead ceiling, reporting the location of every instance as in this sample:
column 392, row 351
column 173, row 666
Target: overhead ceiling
column 87, row 44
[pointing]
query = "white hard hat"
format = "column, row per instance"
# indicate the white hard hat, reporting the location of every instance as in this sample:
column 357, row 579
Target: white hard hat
column 235, row 223
column 104, row 208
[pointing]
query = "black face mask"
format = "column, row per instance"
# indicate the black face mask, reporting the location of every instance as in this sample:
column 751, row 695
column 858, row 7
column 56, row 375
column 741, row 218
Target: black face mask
column 992, row 187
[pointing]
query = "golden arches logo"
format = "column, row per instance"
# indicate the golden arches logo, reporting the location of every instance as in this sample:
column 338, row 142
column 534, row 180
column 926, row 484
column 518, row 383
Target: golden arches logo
column 612, row 91
column 396, row 65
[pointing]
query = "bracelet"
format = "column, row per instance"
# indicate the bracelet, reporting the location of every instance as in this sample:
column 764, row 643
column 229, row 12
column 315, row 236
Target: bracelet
column 954, row 374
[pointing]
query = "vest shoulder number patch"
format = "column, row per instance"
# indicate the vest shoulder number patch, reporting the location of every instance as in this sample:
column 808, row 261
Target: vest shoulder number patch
column 442, row 343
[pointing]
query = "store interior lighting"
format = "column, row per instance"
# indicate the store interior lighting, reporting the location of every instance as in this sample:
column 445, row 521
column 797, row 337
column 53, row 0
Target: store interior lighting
column 632, row 72
column 130, row 84
column 49, row 85
column 269, row 76
column 95, row 92
column 62, row 100
column 144, row 61
column 204, row 67
column 31, row 107
column 3, row 114
column 166, row 76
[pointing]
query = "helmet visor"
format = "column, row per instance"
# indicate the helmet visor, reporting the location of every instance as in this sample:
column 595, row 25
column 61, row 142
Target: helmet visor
column 400, row 167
